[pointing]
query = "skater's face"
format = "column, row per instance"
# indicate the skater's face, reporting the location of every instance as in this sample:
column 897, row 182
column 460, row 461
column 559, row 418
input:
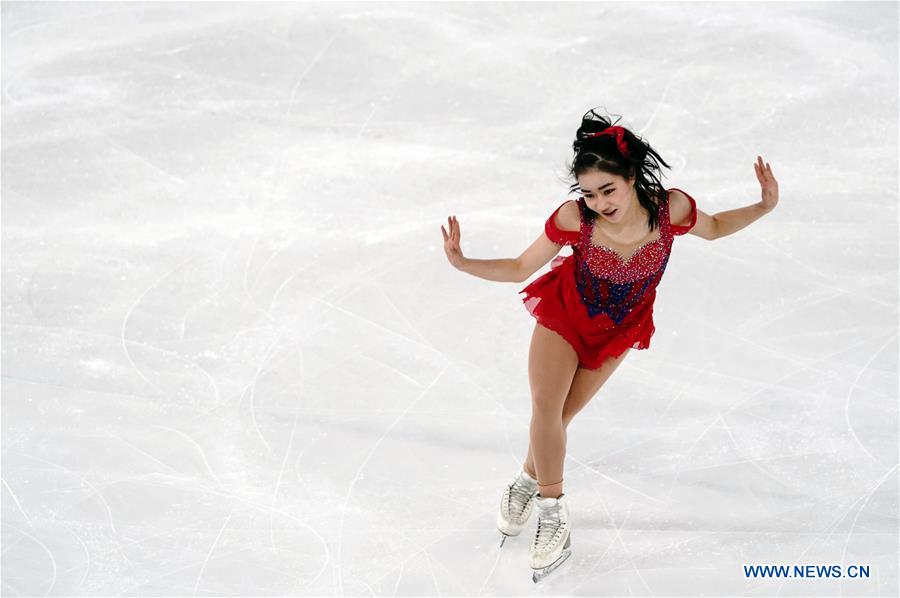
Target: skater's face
column 605, row 193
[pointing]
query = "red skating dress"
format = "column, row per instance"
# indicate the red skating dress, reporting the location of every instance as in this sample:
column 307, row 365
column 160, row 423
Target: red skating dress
column 601, row 303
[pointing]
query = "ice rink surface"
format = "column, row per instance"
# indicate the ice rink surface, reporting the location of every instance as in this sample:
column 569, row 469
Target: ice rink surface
column 237, row 362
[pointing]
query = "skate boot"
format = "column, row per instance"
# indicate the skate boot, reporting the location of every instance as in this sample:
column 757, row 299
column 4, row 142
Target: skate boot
column 551, row 542
column 516, row 505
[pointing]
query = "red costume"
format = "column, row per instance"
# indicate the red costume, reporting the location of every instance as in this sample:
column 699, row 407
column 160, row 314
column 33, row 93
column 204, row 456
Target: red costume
column 597, row 300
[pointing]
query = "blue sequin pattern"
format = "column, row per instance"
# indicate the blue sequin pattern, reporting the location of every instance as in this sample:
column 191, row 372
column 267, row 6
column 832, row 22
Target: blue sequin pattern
column 602, row 296
column 608, row 283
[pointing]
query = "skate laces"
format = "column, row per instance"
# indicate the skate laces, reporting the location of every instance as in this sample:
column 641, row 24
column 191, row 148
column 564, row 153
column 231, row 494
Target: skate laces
column 518, row 495
column 550, row 527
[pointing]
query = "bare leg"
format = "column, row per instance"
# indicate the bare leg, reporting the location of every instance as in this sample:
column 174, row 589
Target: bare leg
column 529, row 463
column 552, row 363
column 549, row 435
column 585, row 385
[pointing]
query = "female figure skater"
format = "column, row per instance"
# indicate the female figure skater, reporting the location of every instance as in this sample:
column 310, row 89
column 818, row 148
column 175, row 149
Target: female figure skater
column 595, row 304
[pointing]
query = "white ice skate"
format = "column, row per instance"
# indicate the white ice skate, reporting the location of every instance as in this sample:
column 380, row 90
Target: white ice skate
column 516, row 505
column 551, row 542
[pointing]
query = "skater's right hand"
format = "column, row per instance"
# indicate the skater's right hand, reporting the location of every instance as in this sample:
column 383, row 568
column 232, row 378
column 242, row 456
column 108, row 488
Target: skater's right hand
column 451, row 243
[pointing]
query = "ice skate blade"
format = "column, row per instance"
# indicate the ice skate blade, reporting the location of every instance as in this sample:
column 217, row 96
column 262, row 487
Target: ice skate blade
column 540, row 574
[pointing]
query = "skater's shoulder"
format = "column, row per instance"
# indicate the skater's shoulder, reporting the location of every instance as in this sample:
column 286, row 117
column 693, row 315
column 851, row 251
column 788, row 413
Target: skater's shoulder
column 568, row 217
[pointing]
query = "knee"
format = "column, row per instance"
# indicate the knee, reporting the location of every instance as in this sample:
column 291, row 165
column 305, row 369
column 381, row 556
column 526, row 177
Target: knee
column 547, row 408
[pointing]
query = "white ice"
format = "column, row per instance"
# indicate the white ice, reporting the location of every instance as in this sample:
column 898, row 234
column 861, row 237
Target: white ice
column 237, row 362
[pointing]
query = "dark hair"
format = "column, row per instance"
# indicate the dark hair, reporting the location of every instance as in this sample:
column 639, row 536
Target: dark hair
column 602, row 153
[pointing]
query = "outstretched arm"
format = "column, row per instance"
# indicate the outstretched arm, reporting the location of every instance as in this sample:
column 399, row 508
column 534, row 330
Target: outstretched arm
column 731, row 221
column 500, row 270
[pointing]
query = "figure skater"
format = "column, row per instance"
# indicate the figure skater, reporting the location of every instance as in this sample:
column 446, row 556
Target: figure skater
column 594, row 305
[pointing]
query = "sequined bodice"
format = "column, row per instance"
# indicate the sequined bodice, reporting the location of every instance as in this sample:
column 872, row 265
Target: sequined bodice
column 612, row 284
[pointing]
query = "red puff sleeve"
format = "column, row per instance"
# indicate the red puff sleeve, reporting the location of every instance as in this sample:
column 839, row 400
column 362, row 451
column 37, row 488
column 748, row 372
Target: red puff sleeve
column 681, row 230
column 556, row 234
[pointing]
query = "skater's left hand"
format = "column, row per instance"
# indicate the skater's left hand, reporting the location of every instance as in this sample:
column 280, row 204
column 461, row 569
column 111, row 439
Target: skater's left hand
column 768, row 183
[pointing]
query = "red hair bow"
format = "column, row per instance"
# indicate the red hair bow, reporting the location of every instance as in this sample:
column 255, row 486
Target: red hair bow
column 618, row 133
